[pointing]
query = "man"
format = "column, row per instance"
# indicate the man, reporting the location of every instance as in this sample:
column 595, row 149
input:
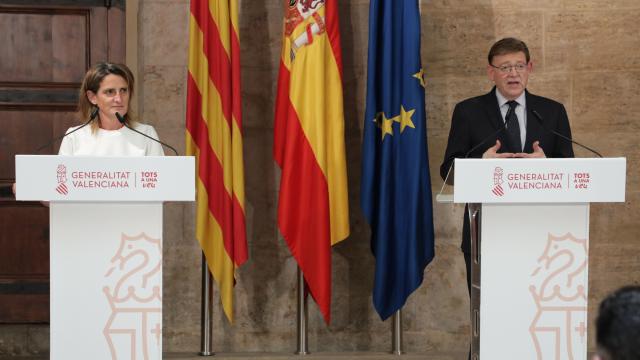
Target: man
column 507, row 122
column 618, row 325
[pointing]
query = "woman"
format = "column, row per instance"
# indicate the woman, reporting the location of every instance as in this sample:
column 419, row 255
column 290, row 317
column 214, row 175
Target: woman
column 109, row 87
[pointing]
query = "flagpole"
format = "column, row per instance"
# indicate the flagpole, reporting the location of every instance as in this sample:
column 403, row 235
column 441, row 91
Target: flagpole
column 303, row 346
column 206, row 320
column 396, row 333
column 474, row 213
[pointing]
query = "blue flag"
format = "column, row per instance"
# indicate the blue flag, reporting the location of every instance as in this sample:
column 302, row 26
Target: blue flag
column 396, row 187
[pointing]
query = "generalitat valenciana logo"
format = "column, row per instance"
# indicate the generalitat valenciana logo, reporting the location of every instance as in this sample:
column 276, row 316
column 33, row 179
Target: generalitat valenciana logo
column 497, row 189
column 62, row 180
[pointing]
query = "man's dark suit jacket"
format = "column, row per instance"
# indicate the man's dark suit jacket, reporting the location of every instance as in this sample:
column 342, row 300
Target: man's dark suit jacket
column 477, row 118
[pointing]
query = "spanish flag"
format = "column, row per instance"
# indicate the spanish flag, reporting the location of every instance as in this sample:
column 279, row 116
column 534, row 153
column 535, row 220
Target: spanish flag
column 313, row 211
column 214, row 136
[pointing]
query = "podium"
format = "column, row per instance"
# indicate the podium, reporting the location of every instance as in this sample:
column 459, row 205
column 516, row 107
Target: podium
column 530, row 251
column 105, row 248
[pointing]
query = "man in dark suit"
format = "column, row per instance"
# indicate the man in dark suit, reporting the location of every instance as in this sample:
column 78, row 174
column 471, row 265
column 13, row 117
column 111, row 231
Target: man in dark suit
column 526, row 121
column 508, row 122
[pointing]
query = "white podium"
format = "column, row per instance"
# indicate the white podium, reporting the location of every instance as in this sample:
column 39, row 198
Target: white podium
column 105, row 248
column 530, row 269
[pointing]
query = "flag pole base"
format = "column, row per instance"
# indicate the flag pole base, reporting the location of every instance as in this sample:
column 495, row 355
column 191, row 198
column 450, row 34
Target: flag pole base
column 396, row 334
column 206, row 318
column 303, row 346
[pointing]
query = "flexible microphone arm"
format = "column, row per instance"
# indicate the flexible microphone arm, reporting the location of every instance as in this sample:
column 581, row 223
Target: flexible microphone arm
column 466, row 155
column 123, row 122
column 539, row 118
column 506, row 123
column 93, row 115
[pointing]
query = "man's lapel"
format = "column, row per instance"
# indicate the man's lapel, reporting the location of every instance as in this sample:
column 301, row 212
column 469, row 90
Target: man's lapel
column 491, row 107
column 534, row 129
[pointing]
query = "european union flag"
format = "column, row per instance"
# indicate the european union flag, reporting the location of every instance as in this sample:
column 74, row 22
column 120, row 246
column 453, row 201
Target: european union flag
column 396, row 187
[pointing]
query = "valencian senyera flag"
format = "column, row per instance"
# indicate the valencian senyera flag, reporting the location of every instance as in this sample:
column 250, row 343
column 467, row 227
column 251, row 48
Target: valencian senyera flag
column 214, row 136
column 395, row 185
column 309, row 142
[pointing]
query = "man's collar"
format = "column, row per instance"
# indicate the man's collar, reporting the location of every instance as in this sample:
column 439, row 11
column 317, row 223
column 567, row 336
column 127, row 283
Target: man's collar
column 521, row 100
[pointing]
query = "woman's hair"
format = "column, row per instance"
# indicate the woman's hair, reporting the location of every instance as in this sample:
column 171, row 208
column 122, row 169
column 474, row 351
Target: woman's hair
column 91, row 82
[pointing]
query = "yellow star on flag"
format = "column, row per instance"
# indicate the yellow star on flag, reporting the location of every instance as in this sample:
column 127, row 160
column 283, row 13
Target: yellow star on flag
column 405, row 118
column 385, row 125
column 420, row 76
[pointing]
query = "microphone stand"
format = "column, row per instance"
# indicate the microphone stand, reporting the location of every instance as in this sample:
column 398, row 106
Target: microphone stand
column 539, row 118
column 93, row 115
column 466, row 155
column 123, row 122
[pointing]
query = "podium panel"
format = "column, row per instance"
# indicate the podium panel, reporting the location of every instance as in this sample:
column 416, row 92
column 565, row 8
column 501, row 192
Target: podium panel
column 88, row 178
column 534, row 277
column 529, row 251
column 105, row 248
column 539, row 180
column 106, row 281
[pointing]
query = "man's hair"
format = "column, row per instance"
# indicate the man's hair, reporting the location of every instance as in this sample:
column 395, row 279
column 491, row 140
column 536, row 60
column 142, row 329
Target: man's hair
column 618, row 325
column 508, row 46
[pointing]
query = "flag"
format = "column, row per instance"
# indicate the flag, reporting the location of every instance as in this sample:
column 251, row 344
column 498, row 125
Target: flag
column 313, row 211
column 214, row 136
column 395, row 185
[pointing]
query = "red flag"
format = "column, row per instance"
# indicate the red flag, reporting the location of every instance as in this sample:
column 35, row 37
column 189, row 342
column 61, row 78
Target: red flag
column 313, row 211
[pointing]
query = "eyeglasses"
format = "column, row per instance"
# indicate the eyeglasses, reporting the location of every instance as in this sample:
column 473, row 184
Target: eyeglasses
column 506, row 69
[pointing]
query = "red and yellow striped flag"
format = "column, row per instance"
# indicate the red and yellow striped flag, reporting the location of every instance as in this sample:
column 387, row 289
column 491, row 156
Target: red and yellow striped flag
column 214, row 136
column 313, row 212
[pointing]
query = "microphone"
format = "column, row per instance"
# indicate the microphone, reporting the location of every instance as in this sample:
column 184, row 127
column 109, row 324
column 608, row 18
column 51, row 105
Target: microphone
column 539, row 118
column 123, row 122
column 93, row 115
column 502, row 128
column 466, row 155
column 494, row 134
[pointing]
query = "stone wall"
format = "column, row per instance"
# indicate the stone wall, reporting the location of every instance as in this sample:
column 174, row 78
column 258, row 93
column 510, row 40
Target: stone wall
column 585, row 55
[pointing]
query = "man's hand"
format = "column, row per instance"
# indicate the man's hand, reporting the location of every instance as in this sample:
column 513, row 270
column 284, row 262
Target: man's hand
column 492, row 152
column 538, row 152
